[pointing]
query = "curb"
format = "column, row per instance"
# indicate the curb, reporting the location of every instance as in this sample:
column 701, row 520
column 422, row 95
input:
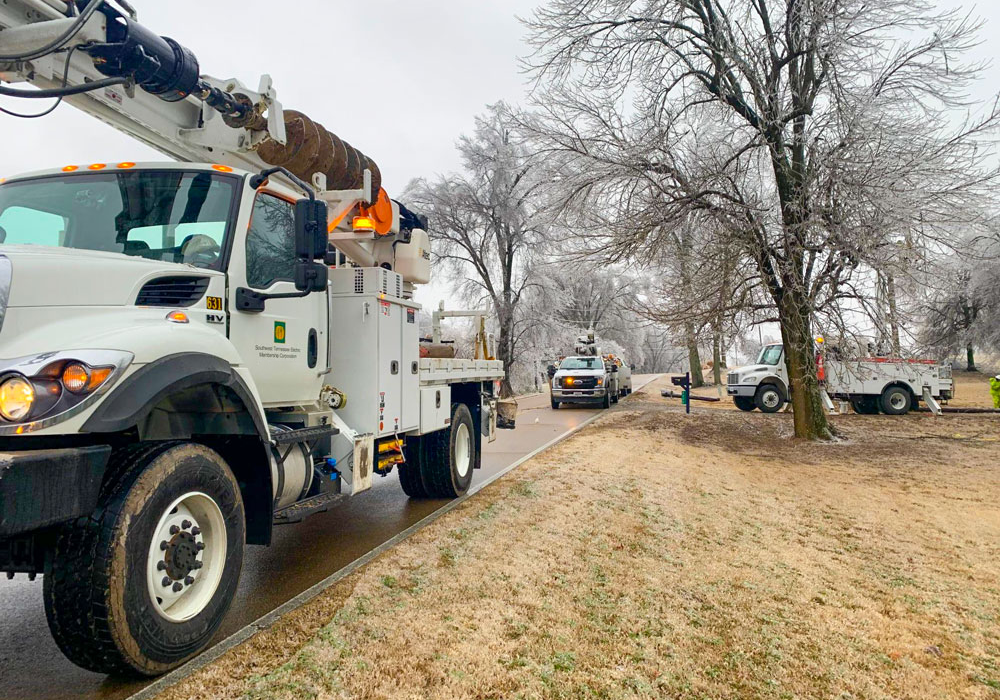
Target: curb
column 266, row 621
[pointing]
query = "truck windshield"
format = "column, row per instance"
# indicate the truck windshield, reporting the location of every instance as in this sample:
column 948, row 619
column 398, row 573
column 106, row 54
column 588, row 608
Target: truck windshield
column 582, row 363
column 770, row 355
column 171, row 215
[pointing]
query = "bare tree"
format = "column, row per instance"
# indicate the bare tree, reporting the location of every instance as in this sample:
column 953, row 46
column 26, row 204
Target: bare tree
column 830, row 127
column 484, row 225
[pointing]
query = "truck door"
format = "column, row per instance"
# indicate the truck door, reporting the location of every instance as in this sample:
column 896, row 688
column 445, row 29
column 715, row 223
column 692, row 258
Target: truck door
column 285, row 345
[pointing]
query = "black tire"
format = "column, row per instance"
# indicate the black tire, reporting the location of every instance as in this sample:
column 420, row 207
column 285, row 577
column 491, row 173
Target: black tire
column 896, row 401
column 97, row 596
column 606, row 402
column 440, row 473
column 409, row 471
column 744, row 403
column 555, row 404
column 769, row 398
column 865, row 406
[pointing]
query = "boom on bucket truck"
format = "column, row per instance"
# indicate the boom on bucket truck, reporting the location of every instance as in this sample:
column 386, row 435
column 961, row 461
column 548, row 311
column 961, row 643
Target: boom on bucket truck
column 197, row 350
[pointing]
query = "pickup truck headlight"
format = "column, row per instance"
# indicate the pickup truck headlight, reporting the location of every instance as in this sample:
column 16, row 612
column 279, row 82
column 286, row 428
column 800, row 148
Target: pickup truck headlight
column 38, row 391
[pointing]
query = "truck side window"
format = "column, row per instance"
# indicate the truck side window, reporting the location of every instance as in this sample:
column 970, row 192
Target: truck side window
column 270, row 242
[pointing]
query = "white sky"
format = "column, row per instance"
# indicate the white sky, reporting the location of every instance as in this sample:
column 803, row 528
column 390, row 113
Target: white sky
column 425, row 67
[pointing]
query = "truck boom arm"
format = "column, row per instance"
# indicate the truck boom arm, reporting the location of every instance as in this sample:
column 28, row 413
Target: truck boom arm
column 160, row 98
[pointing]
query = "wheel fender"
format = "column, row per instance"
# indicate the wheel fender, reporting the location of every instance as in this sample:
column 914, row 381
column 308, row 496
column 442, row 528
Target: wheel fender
column 902, row 385
column 775, row 381
column 130, row 402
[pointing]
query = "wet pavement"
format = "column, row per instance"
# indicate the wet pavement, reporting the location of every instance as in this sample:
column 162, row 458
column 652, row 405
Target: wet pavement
column 31, row 666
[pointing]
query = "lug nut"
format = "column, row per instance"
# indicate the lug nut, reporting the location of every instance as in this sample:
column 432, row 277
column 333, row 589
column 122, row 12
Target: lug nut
column 163, row 545
column 196, row 530
column 178, row 587
column 166, row 581
column 189, row 580
column 161, row 565
column 201, row 546
column 198, row 565
column 174, row 529
column 185, row 525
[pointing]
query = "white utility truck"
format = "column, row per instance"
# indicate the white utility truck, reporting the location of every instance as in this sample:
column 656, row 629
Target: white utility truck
column 585, row 379
column 871, row 384
column 196, row 351
column 624, row 375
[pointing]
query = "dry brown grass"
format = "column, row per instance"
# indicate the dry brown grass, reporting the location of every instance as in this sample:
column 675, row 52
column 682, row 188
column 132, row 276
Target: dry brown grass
column 659, row 555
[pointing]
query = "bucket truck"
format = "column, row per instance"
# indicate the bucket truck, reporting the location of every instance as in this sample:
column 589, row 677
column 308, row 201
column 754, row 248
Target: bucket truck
column 196, row 351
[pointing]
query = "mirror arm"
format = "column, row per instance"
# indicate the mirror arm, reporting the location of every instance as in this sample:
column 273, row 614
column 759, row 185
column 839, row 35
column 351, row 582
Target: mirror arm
column 251, row 300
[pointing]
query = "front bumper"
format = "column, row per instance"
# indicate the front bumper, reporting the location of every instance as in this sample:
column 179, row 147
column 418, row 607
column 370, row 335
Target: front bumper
column 578, row 395
column 741, row 390
column 39, row 488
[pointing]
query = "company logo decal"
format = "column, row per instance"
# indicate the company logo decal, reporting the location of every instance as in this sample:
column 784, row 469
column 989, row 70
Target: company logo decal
column 279, row 331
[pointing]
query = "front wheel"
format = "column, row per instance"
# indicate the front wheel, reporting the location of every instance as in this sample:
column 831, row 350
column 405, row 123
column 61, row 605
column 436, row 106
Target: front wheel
column 606, row 402
column 744, row 403
column 769, row 399
column 143, row 584
column 555, row 404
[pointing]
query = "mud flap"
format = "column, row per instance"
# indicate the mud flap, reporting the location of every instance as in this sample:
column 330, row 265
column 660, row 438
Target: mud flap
column 364, row 457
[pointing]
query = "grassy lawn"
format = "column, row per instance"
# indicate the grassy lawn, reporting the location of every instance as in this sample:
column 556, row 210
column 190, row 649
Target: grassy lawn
column 663, row 555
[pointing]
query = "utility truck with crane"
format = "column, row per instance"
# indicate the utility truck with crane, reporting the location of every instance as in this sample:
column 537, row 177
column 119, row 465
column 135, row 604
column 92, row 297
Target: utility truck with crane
column 586, row 378
column 195, row 351
column 871, row 384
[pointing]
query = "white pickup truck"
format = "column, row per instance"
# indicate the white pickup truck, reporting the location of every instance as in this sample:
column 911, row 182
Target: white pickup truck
column 587, row 380
column 872, row 384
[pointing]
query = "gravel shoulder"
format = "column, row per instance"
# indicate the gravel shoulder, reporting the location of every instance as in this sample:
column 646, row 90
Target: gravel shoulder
column 661, row 555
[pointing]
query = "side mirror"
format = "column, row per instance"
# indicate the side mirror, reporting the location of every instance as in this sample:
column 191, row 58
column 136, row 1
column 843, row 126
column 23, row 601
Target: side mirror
column 310, row 276
column 310, row 229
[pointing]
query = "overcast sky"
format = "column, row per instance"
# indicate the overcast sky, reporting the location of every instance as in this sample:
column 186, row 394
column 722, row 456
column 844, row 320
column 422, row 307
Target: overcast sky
column 399, row 79
column 426, row 68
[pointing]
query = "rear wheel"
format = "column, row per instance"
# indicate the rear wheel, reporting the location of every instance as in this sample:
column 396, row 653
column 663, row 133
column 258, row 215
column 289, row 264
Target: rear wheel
column 449, row 456
column 744, row 403
column 144, row 583
column 865, row 406
column 409, row 471
column 896, row 401
column 769, row 399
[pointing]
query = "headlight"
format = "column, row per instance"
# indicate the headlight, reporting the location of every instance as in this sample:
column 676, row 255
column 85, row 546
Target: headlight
column 17, row 396
column 43, row 389
column 600, row 381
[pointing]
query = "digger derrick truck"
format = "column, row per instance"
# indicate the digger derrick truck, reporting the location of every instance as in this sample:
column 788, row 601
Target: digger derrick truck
column 198, row 350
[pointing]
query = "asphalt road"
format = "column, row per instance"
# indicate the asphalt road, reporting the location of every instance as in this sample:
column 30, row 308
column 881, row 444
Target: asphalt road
column 32, row 667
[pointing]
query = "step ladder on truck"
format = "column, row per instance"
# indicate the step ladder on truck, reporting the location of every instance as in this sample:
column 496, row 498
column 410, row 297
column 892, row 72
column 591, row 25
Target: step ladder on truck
column 201, row 349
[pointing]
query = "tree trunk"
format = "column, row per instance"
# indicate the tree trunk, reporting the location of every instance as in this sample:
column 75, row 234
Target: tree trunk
column 716, row 359
column 809, row 418
column 890, row 288
column 505, row 353
column 694, row 359
column 970, row 359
